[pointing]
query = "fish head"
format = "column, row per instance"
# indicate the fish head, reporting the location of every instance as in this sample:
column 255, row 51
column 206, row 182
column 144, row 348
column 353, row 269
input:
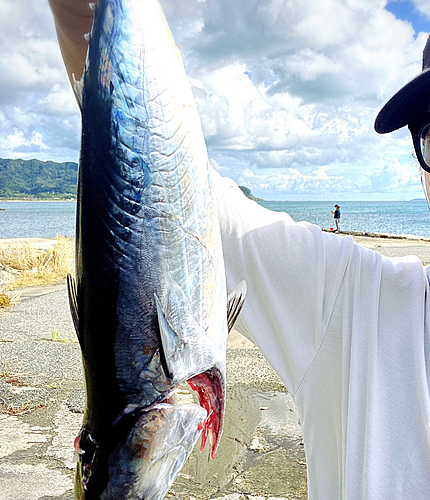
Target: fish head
column 147, row 449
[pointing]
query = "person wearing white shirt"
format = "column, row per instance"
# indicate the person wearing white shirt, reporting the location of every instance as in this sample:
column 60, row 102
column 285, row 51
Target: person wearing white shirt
column 347, row 330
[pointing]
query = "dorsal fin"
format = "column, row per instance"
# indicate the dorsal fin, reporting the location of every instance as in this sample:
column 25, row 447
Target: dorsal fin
column 73, row 303
column 235, row 303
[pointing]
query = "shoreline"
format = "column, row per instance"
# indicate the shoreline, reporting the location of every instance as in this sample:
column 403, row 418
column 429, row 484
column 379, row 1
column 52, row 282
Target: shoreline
column 390, row 245
column 355, row 235
column 369, row 234
column 35, row 200
column 42, row 242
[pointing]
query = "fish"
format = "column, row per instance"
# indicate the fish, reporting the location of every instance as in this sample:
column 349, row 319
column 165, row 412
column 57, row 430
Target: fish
column 149, row 299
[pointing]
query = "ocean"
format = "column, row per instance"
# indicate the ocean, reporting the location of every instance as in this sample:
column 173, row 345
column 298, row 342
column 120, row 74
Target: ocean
column 20, row 219
column 32, row 219
column 394, row 217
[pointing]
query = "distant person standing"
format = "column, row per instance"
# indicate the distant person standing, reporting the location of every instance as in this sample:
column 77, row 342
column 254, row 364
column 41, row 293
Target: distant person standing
column 336, row 214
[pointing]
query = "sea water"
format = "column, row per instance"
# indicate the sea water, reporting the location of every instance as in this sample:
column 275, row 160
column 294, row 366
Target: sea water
column 32, row 219
column 20, row 219
column 394, row 217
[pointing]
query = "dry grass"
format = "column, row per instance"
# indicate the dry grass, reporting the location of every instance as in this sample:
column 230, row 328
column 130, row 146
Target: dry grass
column 38, row 266
column 5, row 300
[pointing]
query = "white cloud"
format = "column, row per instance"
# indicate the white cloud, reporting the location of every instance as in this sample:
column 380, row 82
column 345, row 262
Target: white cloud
column 35, row 98
column 423, row 7
column 393, row 180
column 58, row 102
column 292, row 182
column 299, row 88
column 287, row 91
column 394, row 177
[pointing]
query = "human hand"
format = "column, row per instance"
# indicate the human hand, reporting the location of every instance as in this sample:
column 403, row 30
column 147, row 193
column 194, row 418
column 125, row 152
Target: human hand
column 73, row 19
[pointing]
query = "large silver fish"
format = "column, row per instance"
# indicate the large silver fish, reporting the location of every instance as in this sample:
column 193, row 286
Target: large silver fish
column 149, row 302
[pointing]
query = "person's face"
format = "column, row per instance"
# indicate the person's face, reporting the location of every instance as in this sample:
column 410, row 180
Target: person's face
column 419, row 126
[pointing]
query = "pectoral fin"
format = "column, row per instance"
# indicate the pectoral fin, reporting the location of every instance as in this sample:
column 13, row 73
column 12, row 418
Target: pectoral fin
column 186, row 353
column 235, row 303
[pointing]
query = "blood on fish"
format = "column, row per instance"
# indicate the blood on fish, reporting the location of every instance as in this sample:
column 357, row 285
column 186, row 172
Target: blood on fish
column 209, row 390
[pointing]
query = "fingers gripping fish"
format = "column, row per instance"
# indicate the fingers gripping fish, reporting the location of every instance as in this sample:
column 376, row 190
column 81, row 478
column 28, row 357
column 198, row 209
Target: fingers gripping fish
column 149, row 302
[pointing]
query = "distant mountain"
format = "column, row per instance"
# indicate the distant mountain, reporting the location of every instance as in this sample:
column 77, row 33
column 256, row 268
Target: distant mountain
column 36, row 179
column 248, row 194
column 44, row 180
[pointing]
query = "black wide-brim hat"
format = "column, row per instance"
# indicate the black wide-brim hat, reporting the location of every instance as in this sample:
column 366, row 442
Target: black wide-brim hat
column 410, row 100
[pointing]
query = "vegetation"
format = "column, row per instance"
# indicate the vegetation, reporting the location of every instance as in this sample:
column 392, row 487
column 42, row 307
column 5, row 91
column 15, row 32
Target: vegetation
column 36, row 179
column 248, row 194
column 46, row 180
column 5, row 300
column 56, row 337
column 38, row 266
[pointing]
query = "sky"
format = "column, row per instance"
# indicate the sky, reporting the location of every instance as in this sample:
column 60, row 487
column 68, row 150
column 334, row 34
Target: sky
column 287, row 91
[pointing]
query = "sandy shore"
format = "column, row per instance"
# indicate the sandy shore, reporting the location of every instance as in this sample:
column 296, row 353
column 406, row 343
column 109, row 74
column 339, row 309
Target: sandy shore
column 393, row 245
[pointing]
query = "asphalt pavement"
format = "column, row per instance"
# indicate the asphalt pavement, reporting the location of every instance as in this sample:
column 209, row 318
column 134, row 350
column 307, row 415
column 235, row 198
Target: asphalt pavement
column 42, row 402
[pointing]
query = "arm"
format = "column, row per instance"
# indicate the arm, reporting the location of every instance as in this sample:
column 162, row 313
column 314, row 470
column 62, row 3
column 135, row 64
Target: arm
column 293, row 272
column 73, row 19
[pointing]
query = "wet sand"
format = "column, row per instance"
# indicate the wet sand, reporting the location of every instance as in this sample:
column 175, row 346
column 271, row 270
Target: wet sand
column 261, row 454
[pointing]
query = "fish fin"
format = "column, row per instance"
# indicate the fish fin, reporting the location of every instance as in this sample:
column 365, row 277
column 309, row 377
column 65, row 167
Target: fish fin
column 235, row 303
column 191, row 354
column 169, row 339
column 73, row 303
column 184, row 357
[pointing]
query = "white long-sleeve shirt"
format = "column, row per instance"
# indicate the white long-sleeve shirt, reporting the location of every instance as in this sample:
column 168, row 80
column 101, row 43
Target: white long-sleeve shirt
column 347, row 330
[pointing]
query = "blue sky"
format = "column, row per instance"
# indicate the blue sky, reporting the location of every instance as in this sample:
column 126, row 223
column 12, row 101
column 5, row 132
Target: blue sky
column 405, row 10
column 287, row 91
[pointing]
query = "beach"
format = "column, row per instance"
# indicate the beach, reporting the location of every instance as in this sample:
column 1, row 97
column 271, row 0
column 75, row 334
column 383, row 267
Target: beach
column 42, row 404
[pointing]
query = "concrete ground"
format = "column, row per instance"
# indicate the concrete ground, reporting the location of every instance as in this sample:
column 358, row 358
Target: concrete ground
column 396, row 245
column 42, row 400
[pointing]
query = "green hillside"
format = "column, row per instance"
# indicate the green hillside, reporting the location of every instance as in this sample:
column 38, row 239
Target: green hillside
column 35, row 179
column 45, row 180
column 247, row 192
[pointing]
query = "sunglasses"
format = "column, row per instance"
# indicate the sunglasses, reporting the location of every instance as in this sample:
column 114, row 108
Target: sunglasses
column 419, row 127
